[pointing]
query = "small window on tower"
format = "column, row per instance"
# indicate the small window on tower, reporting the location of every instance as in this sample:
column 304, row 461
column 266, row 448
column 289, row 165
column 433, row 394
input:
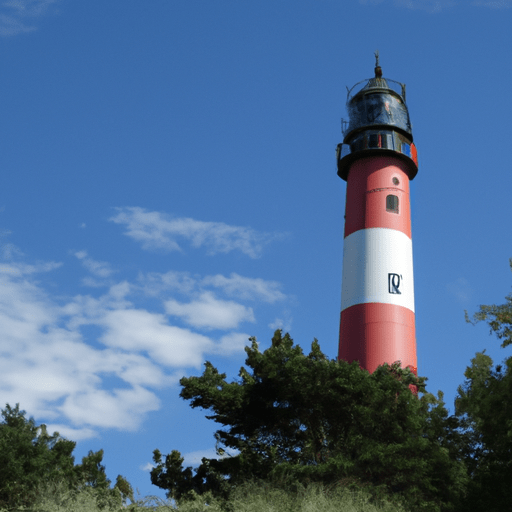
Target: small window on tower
column 392, row 204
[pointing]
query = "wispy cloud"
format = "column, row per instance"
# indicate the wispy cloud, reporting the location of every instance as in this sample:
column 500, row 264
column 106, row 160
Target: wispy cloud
column 18, row 16
column 29, row 7
column 233, row 286
column 24, row 269
column 96, row 268
column 194, row 458
column 156, row 230
column 435, row 6
column 460, row 289
column 432, row 6
column 494, row 4
column 246, row 287
column 282, row 323
column 155, row 283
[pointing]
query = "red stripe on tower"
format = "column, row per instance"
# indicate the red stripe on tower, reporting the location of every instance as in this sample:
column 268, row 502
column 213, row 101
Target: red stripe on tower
column 377, row 160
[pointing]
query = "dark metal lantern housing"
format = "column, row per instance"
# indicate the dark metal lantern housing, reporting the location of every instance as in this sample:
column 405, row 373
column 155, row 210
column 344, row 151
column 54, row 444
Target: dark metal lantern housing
column 378, row 123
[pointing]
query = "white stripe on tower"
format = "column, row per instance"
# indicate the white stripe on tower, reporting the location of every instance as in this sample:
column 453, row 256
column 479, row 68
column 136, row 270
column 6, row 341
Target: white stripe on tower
column 377, row 267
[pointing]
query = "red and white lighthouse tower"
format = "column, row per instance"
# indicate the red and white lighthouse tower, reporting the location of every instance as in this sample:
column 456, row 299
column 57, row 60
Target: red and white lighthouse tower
column 377, row 160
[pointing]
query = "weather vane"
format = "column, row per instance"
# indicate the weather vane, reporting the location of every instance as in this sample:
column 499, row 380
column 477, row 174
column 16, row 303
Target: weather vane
column 378, row 69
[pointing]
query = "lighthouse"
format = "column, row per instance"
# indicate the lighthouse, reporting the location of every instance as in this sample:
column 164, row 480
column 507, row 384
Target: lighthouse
column 377, row 159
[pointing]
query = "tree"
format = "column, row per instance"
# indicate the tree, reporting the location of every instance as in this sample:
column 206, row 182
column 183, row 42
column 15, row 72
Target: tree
column 28, row 456
column 292, row 417
column 498, row 317
column 485, row 410
column 91, row 473
column 483, row 405
column 31, row 458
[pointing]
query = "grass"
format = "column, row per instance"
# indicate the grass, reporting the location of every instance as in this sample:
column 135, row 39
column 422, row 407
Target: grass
column 250, row 498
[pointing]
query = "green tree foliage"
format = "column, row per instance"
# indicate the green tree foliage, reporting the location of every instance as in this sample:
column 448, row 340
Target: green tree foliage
column 484, row 407
column 499, row 318
column 29, row 455
column 30, row 458
column 296, row 418
column 91, row 474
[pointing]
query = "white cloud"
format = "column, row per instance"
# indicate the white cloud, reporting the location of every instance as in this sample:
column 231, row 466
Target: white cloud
column 154, row 283
column 23, row 269
column 156, row 230
column 110, row 409
column 96, row 361
column 142, row 331
column 232, row 343
column 494, row 4
column 51, row 368
column 283, row 324
column 246, row 287
column 29, row 7
column 13, row 14
column 11, row 25
column 9, row 251
column 240, row 287
column 97, row 268
column 193, row 459
column 432, row 6
column 74, row 434
column 210, row 313
column 147, row 467
column 91, row 282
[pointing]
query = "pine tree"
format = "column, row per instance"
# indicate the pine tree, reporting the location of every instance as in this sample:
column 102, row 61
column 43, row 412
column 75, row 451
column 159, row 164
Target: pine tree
column 292, row 417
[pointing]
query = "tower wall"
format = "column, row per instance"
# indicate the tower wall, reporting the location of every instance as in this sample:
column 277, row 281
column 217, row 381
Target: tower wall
column 377, row 310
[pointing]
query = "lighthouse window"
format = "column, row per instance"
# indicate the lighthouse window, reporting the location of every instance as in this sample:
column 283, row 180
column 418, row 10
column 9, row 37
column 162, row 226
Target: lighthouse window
column 392, row 203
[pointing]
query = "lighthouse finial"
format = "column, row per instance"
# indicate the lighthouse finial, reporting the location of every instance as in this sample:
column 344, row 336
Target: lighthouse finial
column 378, row 69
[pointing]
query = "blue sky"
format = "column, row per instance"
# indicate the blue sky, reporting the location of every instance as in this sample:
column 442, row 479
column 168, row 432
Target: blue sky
column 169, row 189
